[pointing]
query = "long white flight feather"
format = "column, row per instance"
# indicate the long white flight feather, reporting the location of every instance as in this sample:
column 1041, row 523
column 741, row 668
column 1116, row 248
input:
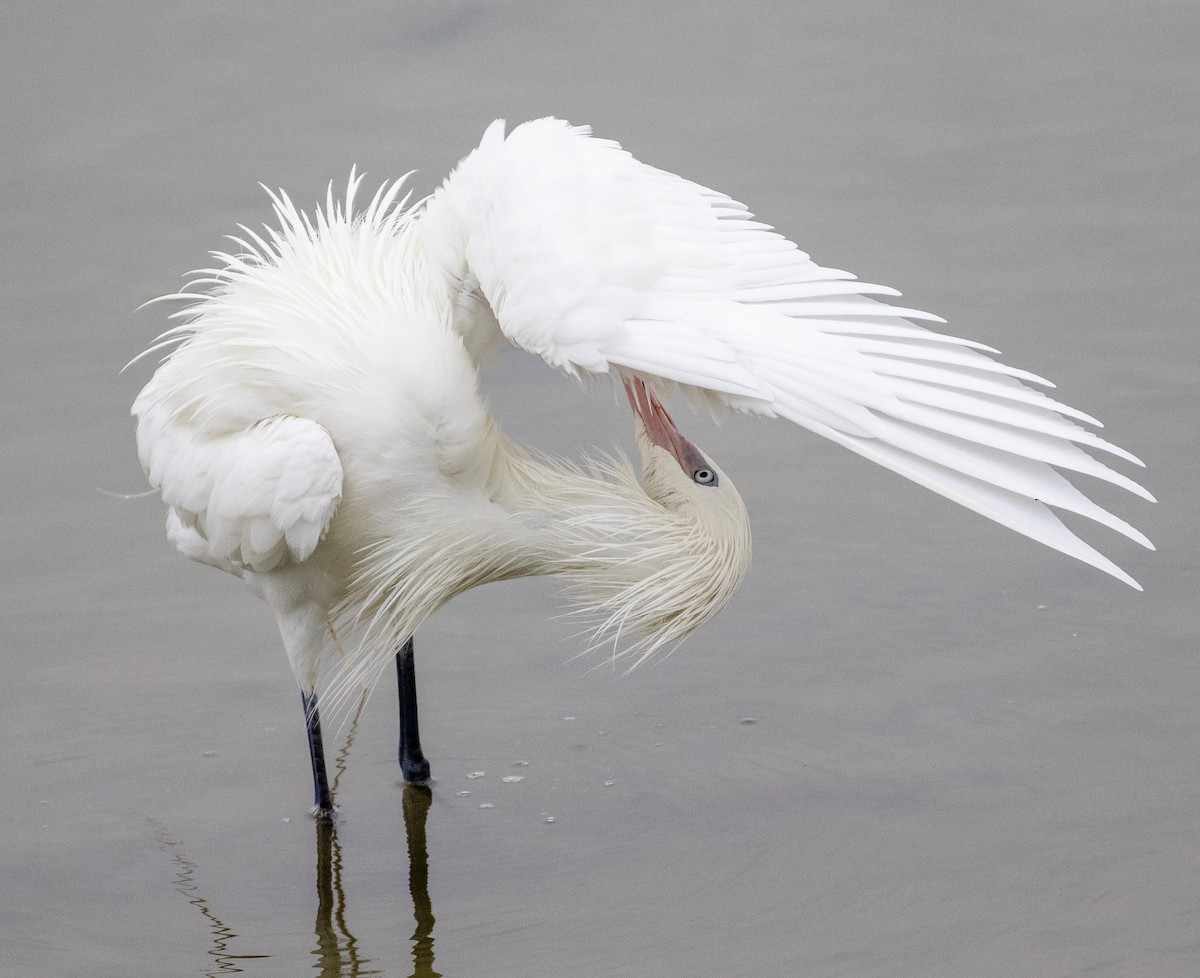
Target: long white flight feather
column 597, row 262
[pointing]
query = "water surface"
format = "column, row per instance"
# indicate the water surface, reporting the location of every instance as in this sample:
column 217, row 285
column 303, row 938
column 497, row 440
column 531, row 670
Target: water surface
column 971, row 756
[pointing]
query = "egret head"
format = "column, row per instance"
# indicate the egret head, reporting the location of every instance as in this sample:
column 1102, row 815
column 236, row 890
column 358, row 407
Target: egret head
column 711, row 529
column 677, row 475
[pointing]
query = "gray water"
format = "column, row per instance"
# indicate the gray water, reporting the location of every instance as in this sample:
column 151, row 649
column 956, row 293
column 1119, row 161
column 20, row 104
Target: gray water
column 971, row 756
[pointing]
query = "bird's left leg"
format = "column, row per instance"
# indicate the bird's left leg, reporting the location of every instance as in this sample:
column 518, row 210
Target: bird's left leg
column 303, row 625
column 413, row 765
column 322, row 800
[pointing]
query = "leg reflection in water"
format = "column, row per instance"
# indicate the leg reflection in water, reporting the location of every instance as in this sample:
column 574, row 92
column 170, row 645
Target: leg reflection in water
column 337, row 951
column 417, row 799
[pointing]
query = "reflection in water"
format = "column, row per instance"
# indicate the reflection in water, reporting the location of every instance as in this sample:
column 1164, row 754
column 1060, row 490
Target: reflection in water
column 337, row 951
column 185, row 883
column 416, row 811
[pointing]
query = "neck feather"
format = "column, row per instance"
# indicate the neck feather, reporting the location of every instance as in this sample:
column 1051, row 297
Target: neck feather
column 640, row 575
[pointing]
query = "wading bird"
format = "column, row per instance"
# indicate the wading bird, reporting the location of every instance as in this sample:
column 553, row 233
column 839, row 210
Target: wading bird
column 318, row 429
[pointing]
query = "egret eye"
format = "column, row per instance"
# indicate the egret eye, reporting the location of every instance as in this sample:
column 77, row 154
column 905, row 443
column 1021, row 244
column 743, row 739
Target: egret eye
column 704, row 477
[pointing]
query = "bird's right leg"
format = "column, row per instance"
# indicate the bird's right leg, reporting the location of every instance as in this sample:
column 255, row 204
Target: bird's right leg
column 413, row 765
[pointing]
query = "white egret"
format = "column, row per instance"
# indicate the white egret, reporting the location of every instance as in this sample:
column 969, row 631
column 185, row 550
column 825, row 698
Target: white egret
column 319, row 429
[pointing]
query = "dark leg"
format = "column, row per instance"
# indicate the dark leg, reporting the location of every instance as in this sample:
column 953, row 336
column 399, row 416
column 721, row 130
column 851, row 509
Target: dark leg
column 413, row 765
column 322, row 802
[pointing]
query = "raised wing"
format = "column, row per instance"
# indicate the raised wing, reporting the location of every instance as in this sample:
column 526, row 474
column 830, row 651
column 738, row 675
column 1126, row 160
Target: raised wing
column 253, row 499
column 597, row 262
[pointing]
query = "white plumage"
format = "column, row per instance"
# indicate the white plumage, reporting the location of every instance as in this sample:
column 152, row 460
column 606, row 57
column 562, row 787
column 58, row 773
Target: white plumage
column 319, row 429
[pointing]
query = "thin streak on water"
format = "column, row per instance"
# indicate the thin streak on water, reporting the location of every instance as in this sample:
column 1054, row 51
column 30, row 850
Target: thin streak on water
column 185, row 884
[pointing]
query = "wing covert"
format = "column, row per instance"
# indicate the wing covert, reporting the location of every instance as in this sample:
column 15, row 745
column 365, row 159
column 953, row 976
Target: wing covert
column 253, row 499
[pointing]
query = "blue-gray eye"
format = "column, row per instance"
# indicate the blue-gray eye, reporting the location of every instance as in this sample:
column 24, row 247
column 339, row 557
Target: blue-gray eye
column 704, row 477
